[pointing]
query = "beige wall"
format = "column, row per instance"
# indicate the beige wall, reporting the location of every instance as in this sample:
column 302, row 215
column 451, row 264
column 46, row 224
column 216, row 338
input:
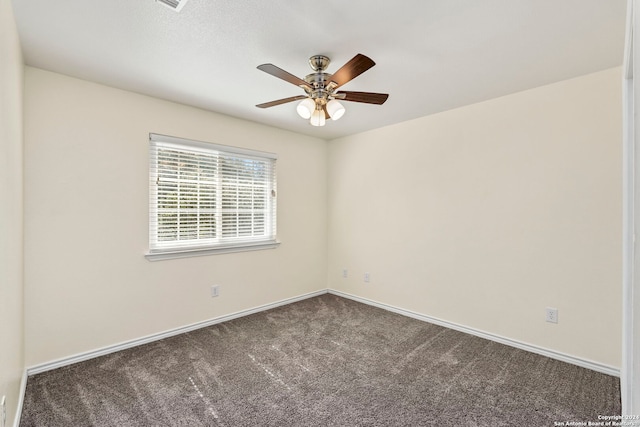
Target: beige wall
column 11, row 259
column 481, row 216
column 485, row 215
column 87, row 283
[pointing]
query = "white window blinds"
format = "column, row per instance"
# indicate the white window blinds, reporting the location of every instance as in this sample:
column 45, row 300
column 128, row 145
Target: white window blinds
column 205, row 196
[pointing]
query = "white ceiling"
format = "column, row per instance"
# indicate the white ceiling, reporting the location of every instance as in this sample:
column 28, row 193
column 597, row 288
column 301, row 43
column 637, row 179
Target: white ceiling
column 431, row 55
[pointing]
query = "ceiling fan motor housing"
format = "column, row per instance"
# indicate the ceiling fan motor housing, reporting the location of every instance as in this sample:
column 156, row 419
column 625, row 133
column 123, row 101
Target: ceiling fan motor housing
column 319, row 82
column 319, row 62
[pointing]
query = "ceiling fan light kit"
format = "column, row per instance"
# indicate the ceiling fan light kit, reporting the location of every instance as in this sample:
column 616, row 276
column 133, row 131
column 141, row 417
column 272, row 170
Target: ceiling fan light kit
column 321, row 100
column 335, row 109
column 317, row 118
column 306, row 107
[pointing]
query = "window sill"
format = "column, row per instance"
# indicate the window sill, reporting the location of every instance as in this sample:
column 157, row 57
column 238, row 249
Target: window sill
column 189, row 253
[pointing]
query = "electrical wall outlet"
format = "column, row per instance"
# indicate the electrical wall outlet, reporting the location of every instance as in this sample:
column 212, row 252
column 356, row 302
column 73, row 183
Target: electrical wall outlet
column 345, row 273
column 552, row 315
column 367, row 277
column 215, row 291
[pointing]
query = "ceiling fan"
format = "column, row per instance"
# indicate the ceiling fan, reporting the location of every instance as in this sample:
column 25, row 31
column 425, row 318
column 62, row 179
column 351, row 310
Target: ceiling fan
column 321, row 99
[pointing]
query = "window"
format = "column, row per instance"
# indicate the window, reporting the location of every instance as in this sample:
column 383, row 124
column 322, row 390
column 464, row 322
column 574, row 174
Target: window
column 207, row 198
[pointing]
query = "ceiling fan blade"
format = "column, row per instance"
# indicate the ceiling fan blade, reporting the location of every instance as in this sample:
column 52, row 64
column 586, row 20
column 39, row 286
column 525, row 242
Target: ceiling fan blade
column 280, row 101
column 352, row 69
column 282, row 74
column 366, row 97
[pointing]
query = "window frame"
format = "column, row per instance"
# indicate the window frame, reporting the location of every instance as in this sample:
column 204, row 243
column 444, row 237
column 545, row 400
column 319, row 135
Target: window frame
column 200, row 247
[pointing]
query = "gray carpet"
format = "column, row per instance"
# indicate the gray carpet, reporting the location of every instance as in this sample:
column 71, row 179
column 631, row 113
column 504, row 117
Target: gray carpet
column 325, row 361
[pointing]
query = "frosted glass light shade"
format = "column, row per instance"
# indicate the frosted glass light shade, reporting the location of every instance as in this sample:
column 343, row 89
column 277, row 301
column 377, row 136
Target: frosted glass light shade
column 317, row 118
column 335, row 109
column 306, row 108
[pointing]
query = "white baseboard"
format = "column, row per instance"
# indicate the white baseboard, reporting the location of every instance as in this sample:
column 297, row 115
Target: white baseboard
column 23, row 389
column 585, row 363
column 32, row 370
column 589, row 364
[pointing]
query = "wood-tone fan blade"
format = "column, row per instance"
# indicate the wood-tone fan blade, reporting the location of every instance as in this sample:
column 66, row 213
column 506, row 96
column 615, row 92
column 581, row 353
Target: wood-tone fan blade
column 282, row 74
column 280, row 101
column 367, row 97
column 352, row 69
